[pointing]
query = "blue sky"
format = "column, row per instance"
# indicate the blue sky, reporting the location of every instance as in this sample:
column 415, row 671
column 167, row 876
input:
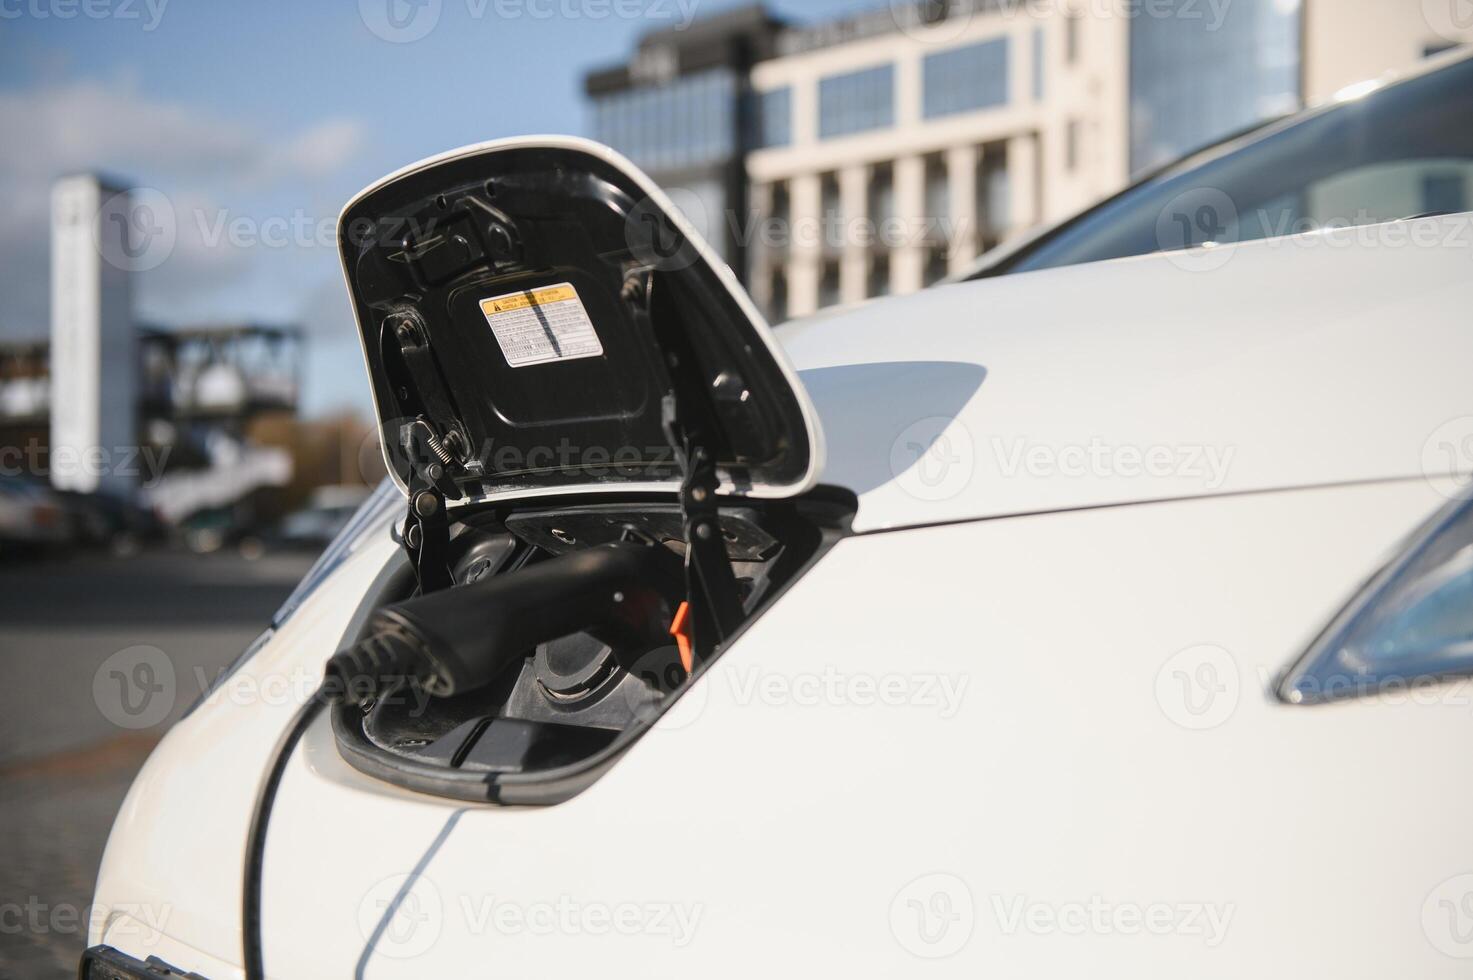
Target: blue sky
column 256, row 121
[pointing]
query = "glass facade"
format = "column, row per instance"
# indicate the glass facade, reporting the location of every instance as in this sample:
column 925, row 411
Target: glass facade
column 965, row 79
column 1194, row 80
column 772, row 118
column 689, row 122
column 856, row 101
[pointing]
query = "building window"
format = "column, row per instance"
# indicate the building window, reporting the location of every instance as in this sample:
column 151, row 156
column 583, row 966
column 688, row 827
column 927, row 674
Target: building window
column 935, row 269
column 880, row 197
column 772, row 118
column 777, row 293
column 992, row 195
column 779, row 226
column 828, row 284
column 1192, row 82
column 1038, row 54
column 687, row 123
column 1073, row 25
column 878, row 281
column 831, row 212
column 965, row 79
column 1073, row 136
column 856, row 101
column 938, row 199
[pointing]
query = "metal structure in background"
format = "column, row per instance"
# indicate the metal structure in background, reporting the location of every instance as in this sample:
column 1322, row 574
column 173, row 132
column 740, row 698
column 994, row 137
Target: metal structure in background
column 222, row 375
column 219, row 374
column 197, row 391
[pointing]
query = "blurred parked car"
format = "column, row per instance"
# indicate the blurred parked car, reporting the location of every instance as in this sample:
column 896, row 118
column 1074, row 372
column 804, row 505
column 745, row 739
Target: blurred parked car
column 110, row 521
column 32, row 516
column 313, row 527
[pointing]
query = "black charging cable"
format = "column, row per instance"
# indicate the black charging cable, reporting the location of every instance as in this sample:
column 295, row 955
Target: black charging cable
column 353, row 676
column 456, row 640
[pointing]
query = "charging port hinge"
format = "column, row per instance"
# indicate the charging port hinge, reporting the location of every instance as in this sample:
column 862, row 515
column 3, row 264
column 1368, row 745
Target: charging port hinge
column 715, row 605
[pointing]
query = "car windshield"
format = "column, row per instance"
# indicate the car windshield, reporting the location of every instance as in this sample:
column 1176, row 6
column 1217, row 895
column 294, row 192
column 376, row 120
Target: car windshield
column 1402, row 151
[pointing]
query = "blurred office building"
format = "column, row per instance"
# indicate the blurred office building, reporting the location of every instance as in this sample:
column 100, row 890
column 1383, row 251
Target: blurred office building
column 108, row 408
column 882, row 152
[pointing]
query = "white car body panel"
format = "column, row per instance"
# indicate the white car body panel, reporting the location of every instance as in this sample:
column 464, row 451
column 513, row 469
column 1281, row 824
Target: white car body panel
column 1060, row 776
column 1273, row 355
column 787, row 825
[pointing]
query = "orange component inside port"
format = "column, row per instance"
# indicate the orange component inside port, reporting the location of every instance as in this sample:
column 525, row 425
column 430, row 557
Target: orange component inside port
column 680, row 629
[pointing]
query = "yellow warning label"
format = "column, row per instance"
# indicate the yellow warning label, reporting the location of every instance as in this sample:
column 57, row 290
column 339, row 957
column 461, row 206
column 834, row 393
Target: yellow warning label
column 536, row 326
column 520, row 301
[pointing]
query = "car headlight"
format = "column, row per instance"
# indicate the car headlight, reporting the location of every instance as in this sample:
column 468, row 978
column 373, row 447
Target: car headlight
column 1411, row 625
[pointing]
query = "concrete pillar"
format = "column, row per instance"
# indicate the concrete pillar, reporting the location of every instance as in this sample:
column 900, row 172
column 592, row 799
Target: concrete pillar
column 1024, row 189
column 961, row 174
column 858, row 233
column 907, row 263
column 806, row 249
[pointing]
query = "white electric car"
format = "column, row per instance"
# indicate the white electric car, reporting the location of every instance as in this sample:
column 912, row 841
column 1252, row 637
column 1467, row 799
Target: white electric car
column 1101, row 621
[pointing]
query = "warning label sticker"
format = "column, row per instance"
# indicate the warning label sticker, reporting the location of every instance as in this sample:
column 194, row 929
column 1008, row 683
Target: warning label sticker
column 540, row 325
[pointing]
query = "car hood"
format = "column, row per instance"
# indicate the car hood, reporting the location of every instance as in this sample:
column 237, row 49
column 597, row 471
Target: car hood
column 1319, row 359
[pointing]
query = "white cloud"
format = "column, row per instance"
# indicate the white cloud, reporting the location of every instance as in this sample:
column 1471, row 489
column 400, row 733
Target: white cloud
column 204, row 164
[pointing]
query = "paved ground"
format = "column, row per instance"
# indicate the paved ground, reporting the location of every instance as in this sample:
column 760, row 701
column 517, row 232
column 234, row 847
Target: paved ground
column 98, row 655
